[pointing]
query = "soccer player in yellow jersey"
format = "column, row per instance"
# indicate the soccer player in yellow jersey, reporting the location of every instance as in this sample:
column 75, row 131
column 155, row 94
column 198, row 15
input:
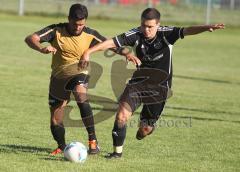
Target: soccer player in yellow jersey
column 68, row 41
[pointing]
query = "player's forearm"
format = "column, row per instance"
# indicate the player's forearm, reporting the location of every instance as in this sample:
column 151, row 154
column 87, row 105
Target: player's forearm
column 193, row 30
column 33, row 42
column 102, row 46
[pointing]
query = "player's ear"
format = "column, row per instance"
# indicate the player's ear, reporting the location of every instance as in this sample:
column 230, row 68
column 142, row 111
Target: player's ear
column 69, row 19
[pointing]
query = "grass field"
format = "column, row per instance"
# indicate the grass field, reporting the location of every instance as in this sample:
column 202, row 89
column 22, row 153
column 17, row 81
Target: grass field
column 183, row 12
column 199, row 130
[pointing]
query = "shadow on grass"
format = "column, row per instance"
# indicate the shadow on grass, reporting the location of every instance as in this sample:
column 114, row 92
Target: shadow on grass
column 206, row 79
column 203, row 110
column 53, row 158
column 187, row 109
column 8, row 148
column 11, row 148
column 203, row 119
column 42, row 153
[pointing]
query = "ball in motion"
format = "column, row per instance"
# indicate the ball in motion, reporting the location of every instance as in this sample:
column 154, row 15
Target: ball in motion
column 76, row 152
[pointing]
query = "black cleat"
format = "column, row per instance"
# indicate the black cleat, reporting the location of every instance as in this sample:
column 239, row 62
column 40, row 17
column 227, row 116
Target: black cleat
column 113, row 155
column 139, row 135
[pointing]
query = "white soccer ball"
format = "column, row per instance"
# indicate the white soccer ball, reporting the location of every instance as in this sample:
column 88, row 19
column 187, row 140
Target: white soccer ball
column 75, row 152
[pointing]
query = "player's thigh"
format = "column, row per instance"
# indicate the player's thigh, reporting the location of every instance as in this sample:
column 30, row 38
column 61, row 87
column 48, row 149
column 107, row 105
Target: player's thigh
column 57, row 111
column 57, row 91
column 129, row 100
column 78, row 85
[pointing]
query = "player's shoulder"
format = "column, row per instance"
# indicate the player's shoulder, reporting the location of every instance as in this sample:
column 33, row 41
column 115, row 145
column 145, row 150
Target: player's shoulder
column 53, row 27
column 133, row 31
column 59, row 25
column 90, row 31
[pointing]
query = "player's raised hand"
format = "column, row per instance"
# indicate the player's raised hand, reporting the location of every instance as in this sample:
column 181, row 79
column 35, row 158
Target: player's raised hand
column 48, row 49
column 134, row 59
column 215, row 27
column 84, row 61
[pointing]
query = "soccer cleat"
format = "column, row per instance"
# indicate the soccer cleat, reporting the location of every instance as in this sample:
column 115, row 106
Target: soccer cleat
column 56, row 151
column 113, row 155
column 93, row 147
column 140, row 134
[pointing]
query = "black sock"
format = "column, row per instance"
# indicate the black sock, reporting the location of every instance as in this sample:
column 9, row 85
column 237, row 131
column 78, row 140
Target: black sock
column 58, row 133
column 118, row 134
column 87, row 118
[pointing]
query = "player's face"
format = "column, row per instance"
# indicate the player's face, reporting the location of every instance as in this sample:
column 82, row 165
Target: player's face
column 149, row 28
column 76, row 26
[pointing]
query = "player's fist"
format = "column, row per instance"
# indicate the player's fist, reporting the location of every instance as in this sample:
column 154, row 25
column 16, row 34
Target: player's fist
column 84, row 61
column 216, row 26
column 48, row 49
column 133, row 58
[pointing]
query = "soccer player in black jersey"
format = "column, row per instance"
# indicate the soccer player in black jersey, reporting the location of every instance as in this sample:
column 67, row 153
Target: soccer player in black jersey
column 68, row 41
column 150, row 84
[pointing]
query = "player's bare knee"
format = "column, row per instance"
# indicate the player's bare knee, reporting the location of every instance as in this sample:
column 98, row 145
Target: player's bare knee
column 80, row 94
column 80, row 97
column 57, row 113
column 122, row 117
column 125, row 107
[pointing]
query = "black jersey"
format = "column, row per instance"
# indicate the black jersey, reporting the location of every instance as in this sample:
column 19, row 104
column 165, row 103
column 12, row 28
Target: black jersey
column 155, row 53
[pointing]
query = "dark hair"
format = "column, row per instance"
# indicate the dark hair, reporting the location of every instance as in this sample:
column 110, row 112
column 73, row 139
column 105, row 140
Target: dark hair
column 150, row 14
column 78, row 12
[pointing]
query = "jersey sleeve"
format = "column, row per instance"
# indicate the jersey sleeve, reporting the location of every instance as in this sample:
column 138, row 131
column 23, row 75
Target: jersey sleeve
column 97, row 38
column 172, row 34
column 47, row 34
column 126, row 39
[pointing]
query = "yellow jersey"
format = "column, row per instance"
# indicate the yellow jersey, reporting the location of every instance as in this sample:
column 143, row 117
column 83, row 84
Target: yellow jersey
column 69, row 47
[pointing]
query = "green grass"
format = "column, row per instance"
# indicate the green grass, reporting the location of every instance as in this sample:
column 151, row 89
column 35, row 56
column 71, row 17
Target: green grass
column 205, row 103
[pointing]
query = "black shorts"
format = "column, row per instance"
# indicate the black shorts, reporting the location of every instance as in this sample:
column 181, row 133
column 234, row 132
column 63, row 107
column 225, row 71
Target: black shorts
column 152, row 105
column 151, row 93
column 60, row 88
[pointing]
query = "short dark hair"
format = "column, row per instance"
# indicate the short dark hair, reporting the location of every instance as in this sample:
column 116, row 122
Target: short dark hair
column 150, row 14
column 78, row 12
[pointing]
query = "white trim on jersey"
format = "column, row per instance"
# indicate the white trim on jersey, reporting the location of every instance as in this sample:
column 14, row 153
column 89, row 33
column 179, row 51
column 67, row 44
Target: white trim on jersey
column 170, row 54
column 179, row 32
column 170, row 46
column 170, row 61
column 165, row 28
column 132, row 31
column 166, row 41
column 118, row 42
column 43, row 34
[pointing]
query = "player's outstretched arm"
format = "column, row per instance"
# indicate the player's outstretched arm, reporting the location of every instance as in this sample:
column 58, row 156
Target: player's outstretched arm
column 84, row 61
column 33, row 41
column 193, row 30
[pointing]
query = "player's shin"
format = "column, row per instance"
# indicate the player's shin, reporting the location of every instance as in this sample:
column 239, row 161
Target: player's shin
column 118, row 136
column 58, row 133
column 88, row 120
